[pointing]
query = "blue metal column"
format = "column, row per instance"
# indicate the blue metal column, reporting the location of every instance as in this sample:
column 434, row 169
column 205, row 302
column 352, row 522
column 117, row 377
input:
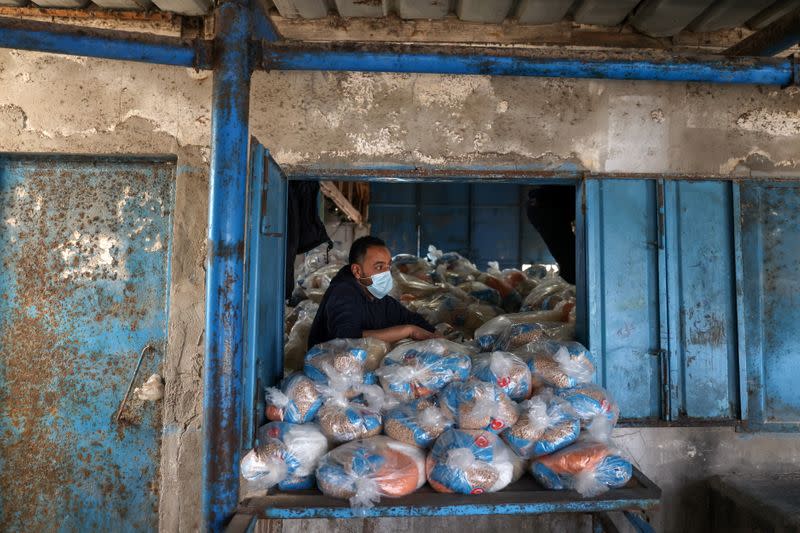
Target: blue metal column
column 222, row 397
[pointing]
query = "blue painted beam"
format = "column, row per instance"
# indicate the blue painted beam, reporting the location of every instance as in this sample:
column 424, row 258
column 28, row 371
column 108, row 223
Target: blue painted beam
column 434, row 59
column 222, row 397
column 772, row 39
column 106, row 44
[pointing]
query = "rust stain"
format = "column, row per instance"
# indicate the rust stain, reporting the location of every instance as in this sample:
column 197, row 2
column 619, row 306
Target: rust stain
column 46, row 364
column 709, row 330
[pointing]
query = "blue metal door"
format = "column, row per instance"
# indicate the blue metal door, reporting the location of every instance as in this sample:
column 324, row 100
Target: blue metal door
column 84, row 249
column 769, row 278
column 622, row 291
column 265, row 264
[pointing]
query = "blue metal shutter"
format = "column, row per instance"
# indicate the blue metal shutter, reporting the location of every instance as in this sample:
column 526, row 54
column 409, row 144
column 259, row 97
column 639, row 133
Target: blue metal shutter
column 622, row 290
column 265, row 264
column 769, row 249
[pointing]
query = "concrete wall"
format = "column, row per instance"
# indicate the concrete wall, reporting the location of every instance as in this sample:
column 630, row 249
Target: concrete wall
column 70, row 105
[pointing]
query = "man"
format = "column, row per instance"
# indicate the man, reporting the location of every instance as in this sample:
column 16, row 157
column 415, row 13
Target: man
column 551, row 210
column 357, row 303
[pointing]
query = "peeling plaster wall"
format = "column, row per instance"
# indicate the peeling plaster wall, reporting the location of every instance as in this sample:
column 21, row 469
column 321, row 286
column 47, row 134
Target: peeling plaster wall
column 364, row 119
column 57, row 104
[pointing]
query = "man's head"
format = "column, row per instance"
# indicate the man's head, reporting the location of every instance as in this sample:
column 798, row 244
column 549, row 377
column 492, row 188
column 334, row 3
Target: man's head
column 369, row 256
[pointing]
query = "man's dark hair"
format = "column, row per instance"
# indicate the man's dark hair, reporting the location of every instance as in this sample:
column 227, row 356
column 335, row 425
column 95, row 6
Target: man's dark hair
column 359, row 248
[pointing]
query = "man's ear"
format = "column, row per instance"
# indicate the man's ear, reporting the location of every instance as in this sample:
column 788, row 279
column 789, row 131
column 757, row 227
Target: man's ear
column 356, row 270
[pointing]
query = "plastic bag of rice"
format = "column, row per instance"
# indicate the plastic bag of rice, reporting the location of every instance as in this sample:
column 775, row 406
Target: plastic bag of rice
column 546, row 424
column 419, row 422
column 476, row 404
column 471, row 462
column 365, row 470
column 506, row 370
column 420, row 369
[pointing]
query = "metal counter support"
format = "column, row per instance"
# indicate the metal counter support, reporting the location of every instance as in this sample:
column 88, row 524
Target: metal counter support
column 222, row 398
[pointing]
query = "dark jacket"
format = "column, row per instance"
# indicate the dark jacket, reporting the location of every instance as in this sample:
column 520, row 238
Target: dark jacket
column 347, row 310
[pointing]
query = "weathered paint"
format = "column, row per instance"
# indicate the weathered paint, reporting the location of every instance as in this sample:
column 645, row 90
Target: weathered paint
column 222, row 376
column 431, row 59
column 622, row 291
column 770, row 225
column 700, row 303
column 108, row 44
column 84, row 247
column 265, row 267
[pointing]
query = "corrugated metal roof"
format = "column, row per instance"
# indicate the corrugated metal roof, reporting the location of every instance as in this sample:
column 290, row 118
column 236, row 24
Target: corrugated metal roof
column 654, row 18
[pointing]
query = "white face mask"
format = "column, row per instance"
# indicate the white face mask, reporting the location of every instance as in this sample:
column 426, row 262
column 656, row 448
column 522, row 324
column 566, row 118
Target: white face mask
column 381, row 284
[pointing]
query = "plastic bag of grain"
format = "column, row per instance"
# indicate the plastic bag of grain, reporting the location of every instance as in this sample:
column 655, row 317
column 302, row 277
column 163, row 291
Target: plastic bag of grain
column 590, row 468
column 419, row 422
column 516, row 336
column 558, row 364
column 349, row 420
column 343, row 360
column 297, row 400
column 414, row 266
column 482, row 292
column 476, row 404
column 471, row 462
column 546, row 424
column 488, row 334
column 297, row 344
column 286, row 456
column 365, row 470
column 505, row 370
column 420, row 369
column 548, row 294
column 591, row 402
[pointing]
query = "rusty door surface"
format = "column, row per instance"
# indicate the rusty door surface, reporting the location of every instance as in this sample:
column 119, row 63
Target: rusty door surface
column 84, row 266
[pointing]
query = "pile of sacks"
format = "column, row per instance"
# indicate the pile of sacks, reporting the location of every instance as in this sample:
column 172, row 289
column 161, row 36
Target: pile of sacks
column 446, row 288
column 362, row 422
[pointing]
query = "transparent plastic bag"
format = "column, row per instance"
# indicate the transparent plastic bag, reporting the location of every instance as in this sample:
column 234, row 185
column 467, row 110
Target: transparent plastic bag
column 414, row 266
column 591, row 401
column 588, row 467
column 510, row 299
column 479, row 405
column 297, row 344
column 343, row 361
column 471, row 462
column 546, row 424
column 316, row 283
column 505, row 370
column 548, row 294
column 450, row 333
column 364, row 471
column 517, row 336
column 419, row 422
column 408, row 288
column 420, row 369
column 286, row 455
column 559, row 364
column 482, row 292
column 297, row 400
column 343, row 421
column 305, row 445
column 321, row 257
column 488, row 334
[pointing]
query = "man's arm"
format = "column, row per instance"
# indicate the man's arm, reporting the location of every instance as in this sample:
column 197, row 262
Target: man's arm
column 397, row 333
